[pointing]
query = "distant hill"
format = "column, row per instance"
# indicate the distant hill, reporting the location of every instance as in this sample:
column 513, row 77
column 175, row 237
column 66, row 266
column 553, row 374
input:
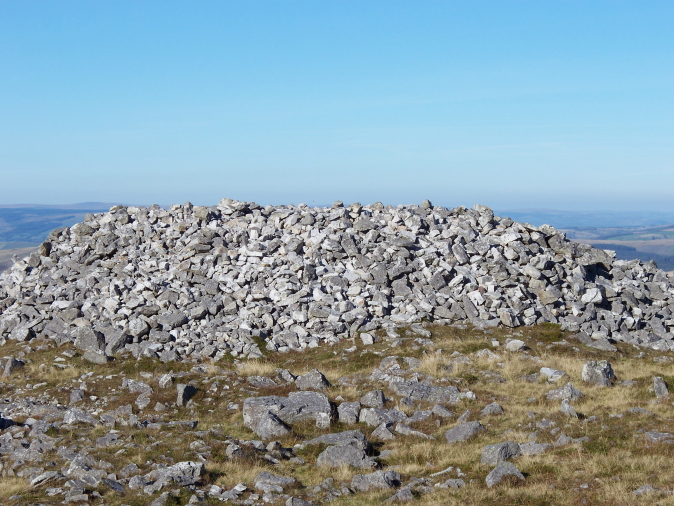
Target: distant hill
column 589, row 219
column 26, row 225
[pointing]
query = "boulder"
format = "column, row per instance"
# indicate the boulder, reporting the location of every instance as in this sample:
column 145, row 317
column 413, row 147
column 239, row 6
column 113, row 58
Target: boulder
column 463, row 432
column 567, row 392
column 345, row 454
column 502, row 471
column 493, row 454
column 373, row 399
column 660, row 387
column 348, row 412
column 313, row 380
column 379, row 480
column 599, row 373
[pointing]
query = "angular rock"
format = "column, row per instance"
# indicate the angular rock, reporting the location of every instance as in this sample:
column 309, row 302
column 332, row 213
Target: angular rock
column 660, row 387
column 599, row 373
column 493, row 454
column 532, row 448
column 348, row 412
column 492, row 409
column 552, row 375
column 373, row 399
column 504, row 470
column 379, row 480
column 313, row 380
column 463, row 432
column 185, row 393
column 567, row 392
column 348, row 454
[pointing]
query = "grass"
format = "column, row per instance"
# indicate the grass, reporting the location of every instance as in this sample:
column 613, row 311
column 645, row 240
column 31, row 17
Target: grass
column 604, row 470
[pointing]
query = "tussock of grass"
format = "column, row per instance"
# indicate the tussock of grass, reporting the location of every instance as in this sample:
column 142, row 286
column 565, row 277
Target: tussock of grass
column 10, row 486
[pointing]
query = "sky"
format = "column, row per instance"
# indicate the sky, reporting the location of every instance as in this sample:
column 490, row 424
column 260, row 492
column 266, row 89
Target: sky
column 515, row 105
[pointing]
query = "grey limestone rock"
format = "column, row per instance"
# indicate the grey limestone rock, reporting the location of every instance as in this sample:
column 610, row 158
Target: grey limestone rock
column 271, row 483
column 313, row 380
column 515, row 345
column 568, row 409
column 183, row 473
column 295, row 501
column 379, row 480
column 567, row 392
column 645, row 489
column 552, row 375
column 492, row 409
column 383, row 432
column 276, row 412
column 532, row 448
column 347, row 437
column 406, row 264
column 463, row 432
column 502, row 471
column 12, row 365
column 373, row 416
column 351, row 454
column 442, row 412
column 74, row 415
column 406, row 430
column 493, row 454
column 452, row 483
column 269, row 426
column 185, row 393
column 660, row 387
column 348, row 412
column 427, row 393
column 598, row 373
column 88, row 339
column 373, row 399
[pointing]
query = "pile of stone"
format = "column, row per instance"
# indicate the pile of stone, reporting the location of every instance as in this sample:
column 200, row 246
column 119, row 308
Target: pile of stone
column 202, row 282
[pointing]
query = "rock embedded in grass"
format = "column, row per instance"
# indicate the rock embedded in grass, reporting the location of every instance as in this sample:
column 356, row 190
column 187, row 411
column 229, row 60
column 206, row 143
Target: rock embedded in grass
column 567, row 392
column 463, row 432
column 345, row 454
column 313, row 380
column 660, row 387
column 504, row 470
column 500, row 452
column 599, row 373
column 379, row 480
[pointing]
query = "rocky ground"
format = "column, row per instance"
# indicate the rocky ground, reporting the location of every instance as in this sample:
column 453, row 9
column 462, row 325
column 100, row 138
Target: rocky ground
column 357, row 354
column 434, row 414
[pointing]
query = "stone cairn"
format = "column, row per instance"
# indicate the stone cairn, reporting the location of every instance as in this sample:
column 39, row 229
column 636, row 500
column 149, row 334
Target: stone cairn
column 202, row 282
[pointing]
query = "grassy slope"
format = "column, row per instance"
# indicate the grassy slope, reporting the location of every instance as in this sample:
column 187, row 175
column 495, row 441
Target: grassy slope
column 603, row 471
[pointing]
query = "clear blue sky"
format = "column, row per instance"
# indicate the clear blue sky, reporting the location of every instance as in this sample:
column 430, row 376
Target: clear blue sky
column 566, row 105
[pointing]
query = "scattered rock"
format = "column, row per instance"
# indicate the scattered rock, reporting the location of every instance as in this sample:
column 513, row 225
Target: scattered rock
column 313, row 380
column 493, row 409
column 552, row 375
column 345, row 454
column 463, row 432
column 348, row 412
column 504, row 470
column 185, row 393
column 660, row 387
column 493, row 454
column 598, row 373
column 567, row 392
column 373, row 399
column 379, row 480
column 515, row 345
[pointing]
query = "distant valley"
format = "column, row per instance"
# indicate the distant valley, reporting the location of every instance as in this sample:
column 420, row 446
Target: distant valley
column 24, row 227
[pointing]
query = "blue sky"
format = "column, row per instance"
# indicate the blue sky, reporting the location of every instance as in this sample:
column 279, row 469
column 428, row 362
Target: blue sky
column 565, row 105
